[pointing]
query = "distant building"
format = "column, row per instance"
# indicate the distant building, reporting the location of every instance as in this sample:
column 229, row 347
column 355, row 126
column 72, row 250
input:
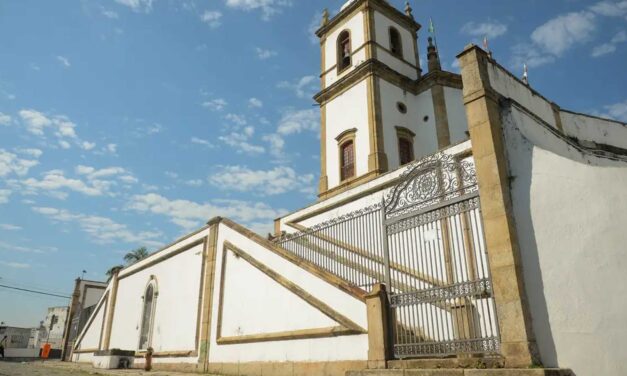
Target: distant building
column 17, row 338
column 53, row 328
column 84, row 299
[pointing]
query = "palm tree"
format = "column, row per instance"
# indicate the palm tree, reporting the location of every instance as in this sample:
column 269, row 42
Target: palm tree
column 136, row 255
column 112, row 271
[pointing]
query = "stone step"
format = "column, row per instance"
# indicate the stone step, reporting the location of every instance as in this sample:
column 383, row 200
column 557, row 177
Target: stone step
column 464, row 372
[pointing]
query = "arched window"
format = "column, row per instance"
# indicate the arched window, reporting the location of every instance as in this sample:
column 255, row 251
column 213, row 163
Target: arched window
column 396, row 44
column 343, row 50
column 148, row 313
column 347, row 163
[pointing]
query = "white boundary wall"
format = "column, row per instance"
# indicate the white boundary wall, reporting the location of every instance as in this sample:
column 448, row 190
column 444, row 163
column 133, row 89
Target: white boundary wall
column 570, row 213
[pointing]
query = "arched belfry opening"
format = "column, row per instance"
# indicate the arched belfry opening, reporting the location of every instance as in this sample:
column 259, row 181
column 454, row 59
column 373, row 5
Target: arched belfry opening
column 343, row 50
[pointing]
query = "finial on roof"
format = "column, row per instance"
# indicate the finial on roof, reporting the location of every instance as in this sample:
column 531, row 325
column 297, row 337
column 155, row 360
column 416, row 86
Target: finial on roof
column 525, row 77
column 408, row 10
column 325, row 17
column 486, row 47
column 433, row 57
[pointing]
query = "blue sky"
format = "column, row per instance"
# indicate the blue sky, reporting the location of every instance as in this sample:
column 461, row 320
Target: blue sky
column 131, row 122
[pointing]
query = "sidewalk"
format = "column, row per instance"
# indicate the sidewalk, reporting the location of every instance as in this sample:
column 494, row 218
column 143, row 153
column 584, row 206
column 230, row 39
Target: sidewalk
column 57, row 368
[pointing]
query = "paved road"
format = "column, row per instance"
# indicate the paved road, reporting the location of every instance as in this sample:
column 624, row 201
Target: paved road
column 54, row 368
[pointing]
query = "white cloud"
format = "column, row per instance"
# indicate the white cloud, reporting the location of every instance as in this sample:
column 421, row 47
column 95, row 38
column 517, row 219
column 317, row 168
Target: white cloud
column 4, row 196
column 297, row 121
column 108, row 13
column 304, row 87
column 611, row 46
column 264, row 54
column 610, row 8
column 111, row 148
column 193, row 182
column 255, row 103
column 616, row 111
column 5, row 119
column 552, row 39
column 11, row 164
column 64, row 61
column 236, row 119
column 101, row 230
column 264, row 182
column 200, row 141
column 268, row 8
column 562, row 32
column 277, row 144
column 313, row 26
column 98, row 182
column 240, row 141
column 215, row 104
column 15, row 265
column 189, row 214
column 23, row 249
column 62, row 127
column 212, row 18
column 36, row 153
column 171, row 175
column 490, row 29
column 9, row 227
column 137, row 5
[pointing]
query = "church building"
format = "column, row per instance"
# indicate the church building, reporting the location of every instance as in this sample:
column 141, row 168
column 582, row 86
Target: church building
column 464, row 224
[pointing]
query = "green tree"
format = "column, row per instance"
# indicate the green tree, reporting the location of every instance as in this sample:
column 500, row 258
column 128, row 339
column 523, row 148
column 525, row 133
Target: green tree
column 112, row 271
column 136, row 255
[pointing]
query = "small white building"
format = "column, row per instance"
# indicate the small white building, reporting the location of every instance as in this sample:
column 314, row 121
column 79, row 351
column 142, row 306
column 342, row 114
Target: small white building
column 463, row 220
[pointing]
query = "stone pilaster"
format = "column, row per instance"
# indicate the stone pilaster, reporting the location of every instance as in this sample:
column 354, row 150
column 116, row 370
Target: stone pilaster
column 518, row 344
column 379, row 349
column 113, row 294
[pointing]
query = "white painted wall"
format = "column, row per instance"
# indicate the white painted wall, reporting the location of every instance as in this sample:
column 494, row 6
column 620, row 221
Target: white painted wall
column 251, row 312
column 347, row 111
column 456, row 114
column 381, row 30
column 590, row 128
column 355, row 25
column 425, row 142
column 570, row 216
column 178, row 279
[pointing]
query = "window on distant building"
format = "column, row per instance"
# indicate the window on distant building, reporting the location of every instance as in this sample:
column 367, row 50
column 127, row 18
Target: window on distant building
column 148, row 312
column 405, row 145
column 396, row 44
column 343, row 50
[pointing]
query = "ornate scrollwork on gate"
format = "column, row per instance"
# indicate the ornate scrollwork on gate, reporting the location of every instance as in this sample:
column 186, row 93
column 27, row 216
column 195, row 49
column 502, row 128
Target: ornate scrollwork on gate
column 436, row 178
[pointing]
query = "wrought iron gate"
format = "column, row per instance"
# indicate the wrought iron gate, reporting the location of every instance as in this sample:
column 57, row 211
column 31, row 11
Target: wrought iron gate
column 432, row 226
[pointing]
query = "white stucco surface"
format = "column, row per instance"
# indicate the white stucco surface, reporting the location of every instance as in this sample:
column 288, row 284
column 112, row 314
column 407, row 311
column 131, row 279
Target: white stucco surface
column 382, row 26
column 570, row 213
column 347, row 111
column 264, row 312
column 176, row 310
column 456, row 114
column 355, row 25
column 594, row 129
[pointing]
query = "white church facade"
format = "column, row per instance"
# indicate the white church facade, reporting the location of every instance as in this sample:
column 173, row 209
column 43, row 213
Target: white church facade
column 464, row 222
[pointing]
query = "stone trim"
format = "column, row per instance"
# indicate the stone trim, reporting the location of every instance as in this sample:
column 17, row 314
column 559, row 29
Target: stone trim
column 379, row 333
column 84, row 351
column 347, row 327
column 354, row 291
column 347, row 185
column 518, row 345
column 348, row 134
column 162, row 258
column 323, row 184
column 103, row 300
column 377, row 159
column 204, row 343
column 108, row 317
column 441, row 117
column 168, row 354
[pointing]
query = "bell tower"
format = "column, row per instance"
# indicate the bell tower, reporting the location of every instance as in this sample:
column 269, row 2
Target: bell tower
column 366, row 42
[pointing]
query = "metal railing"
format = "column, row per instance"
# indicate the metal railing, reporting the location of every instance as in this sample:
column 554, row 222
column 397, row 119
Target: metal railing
column 348, row 246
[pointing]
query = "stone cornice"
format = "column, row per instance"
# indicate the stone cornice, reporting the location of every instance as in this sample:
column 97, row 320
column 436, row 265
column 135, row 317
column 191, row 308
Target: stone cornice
column 376, row 67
